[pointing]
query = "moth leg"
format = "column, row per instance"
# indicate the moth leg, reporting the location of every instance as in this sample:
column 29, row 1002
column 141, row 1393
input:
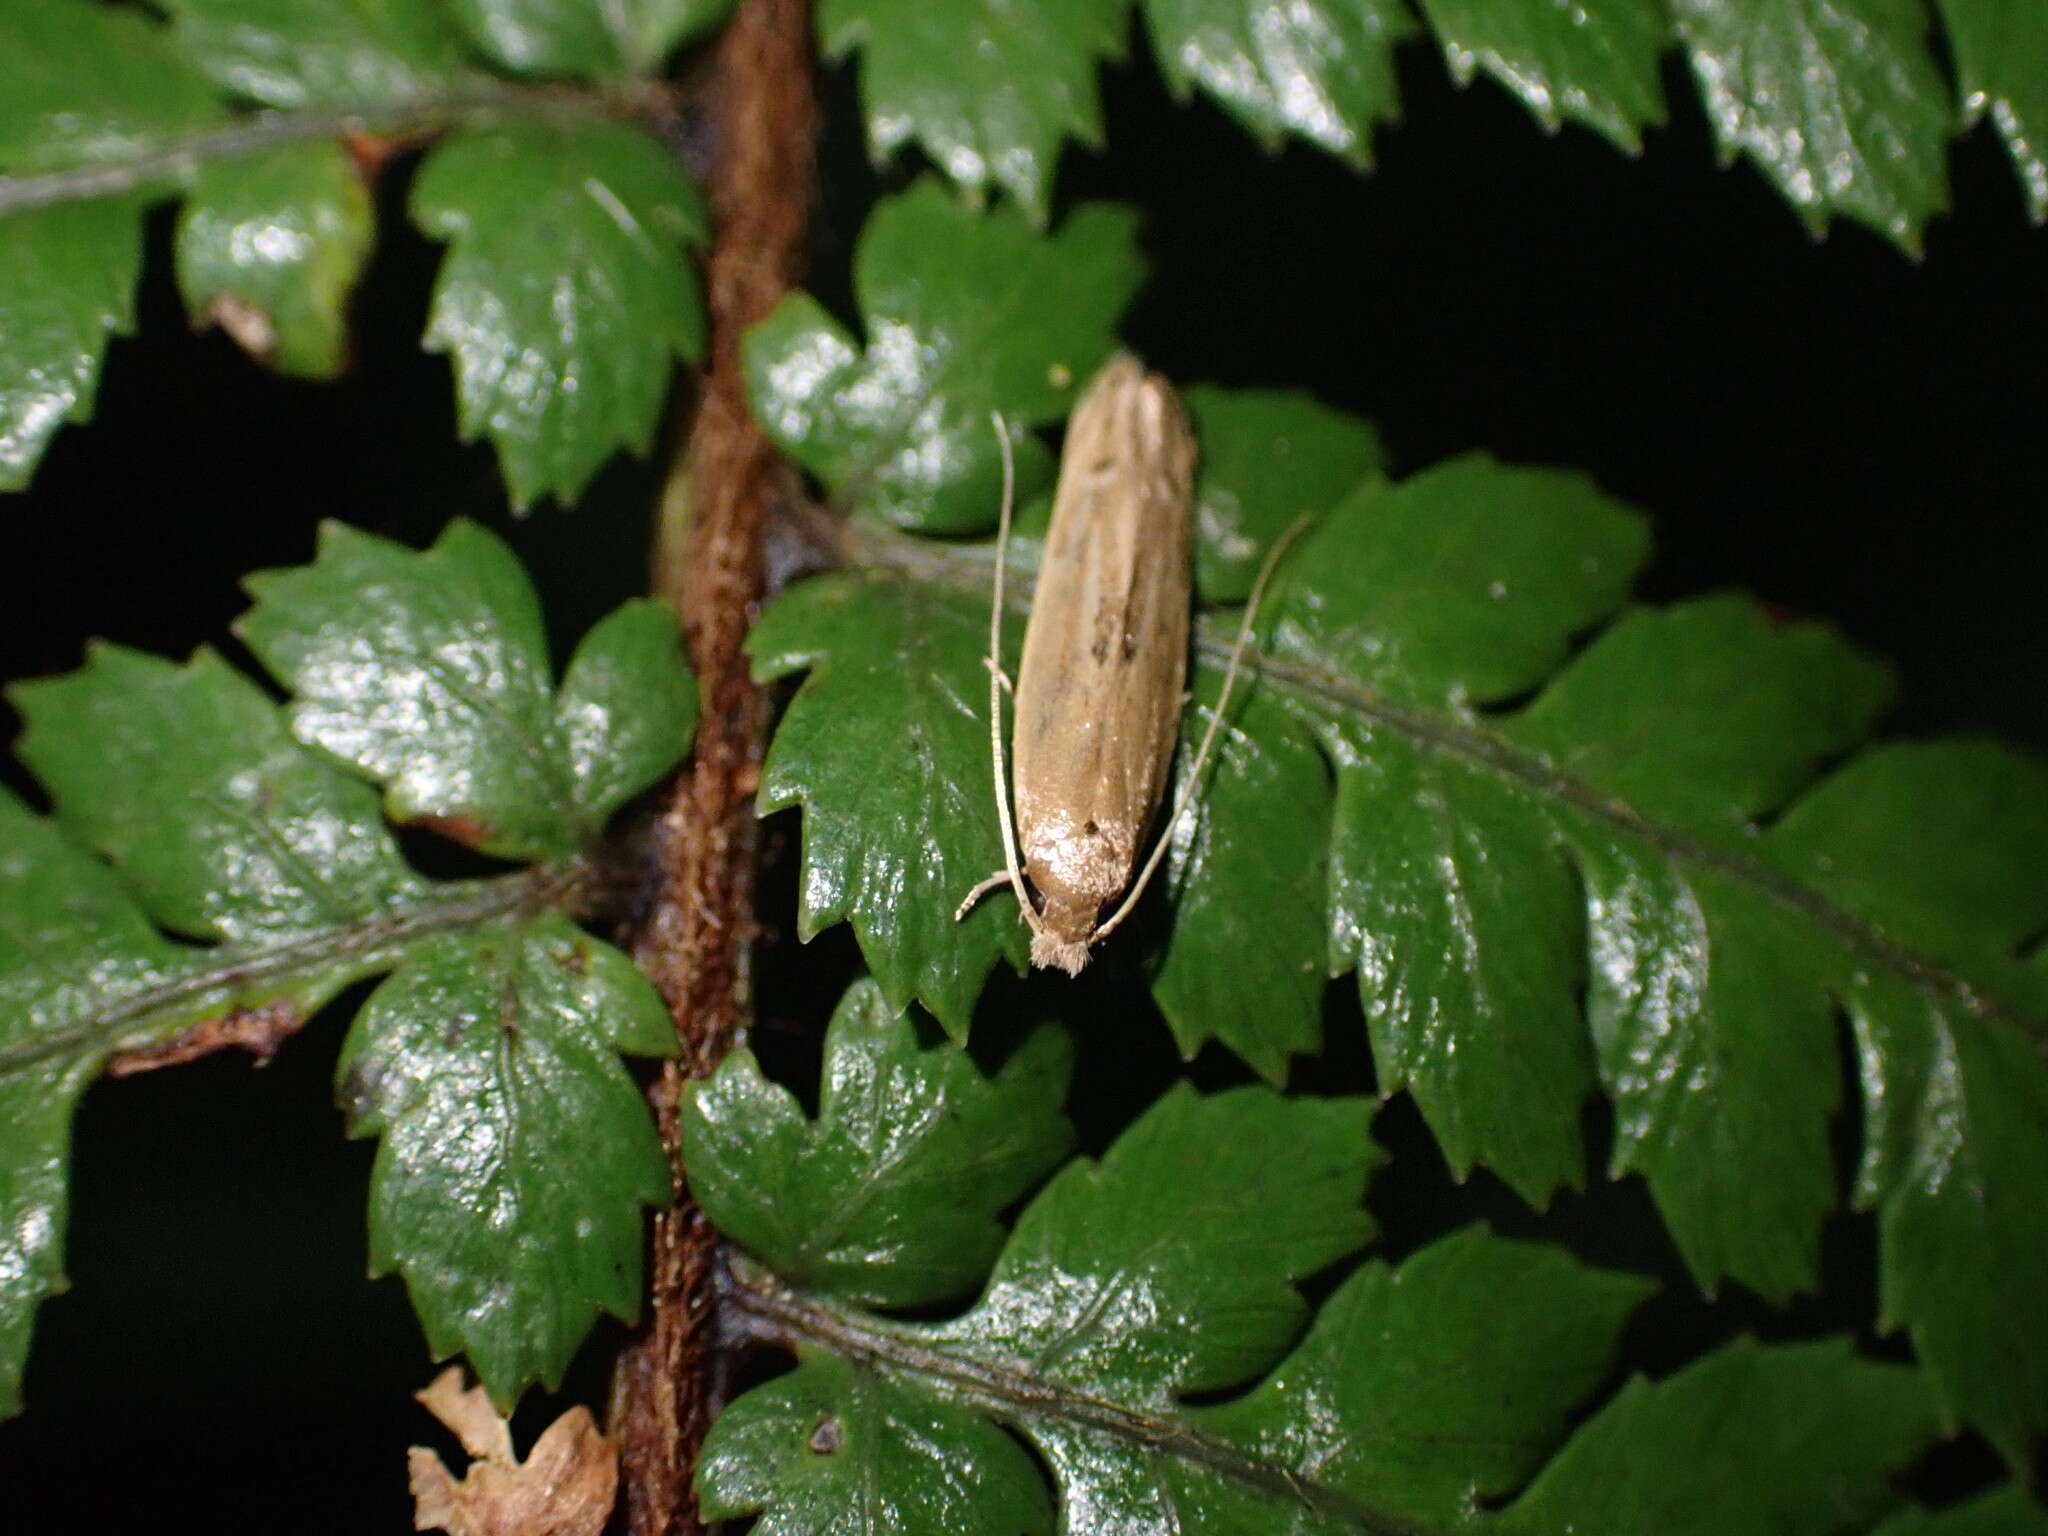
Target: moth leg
column 1001, row 676
column 994, row 882
column 997, row 682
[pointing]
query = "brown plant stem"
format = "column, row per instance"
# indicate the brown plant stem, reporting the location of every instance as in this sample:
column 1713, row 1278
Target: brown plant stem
column 708, row 563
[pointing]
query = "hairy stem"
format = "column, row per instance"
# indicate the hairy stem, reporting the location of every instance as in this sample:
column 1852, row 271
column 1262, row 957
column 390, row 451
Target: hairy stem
column 707, row 562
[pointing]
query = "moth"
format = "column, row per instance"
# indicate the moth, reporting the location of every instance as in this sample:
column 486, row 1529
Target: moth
column 1100, row 690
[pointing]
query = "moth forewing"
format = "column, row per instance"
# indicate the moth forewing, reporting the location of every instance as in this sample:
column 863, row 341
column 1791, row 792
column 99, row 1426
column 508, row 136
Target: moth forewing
column 1099, row 691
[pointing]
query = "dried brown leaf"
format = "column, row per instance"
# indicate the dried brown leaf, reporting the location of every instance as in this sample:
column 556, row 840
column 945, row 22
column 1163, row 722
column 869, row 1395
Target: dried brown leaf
column 564, row 1488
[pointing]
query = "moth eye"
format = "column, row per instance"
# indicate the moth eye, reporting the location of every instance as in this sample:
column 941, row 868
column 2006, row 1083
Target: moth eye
column 1089, row 829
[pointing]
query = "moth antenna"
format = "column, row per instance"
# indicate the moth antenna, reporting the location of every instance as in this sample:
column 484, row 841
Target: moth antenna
column 996, row 682
column 1186, row 797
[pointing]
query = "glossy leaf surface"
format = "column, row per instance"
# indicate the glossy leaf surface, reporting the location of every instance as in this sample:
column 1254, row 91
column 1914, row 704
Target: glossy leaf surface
column 91, row 84
column 1841, row 107
column 514, row 1150
column 1449, row 899
column 518, row 1151
column 297, row 54
column 1501, row 1338
column 220, row 824
column 583, row 37
column 1322, row 71
column 67, row 281
column 837, row 1449
column 890, row 1196
column 1968, row 890
column 896, row 695
column 567, row 293
column 1268, row 458
column 1243, row 961
column 1710, row 1021
column 269, row 248
column 1593, row 62
column 2001, row 59
column 1596, row 840
column 987, row 89
column 428, row 672
column 1660, row 711
column 1167, row 1268
column 70, row 944
column 1791, row 1437
column 965, row 314
column 1461, row 585
column 86, row 85
column 627, row 707
column 1954, row 1105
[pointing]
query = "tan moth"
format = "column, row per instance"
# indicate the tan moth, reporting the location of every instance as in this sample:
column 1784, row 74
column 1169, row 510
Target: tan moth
column 1099, row 693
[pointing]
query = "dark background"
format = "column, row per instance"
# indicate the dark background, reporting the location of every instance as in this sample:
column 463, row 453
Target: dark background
column 1838, row 429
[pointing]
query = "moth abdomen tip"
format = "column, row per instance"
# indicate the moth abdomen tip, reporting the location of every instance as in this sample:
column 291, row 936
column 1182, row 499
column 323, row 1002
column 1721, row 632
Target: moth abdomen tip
column 1050, row 951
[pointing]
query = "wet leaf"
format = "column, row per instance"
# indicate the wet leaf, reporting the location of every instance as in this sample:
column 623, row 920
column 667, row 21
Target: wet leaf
column 296, row 54
column 1450, row 900
column 275, row 869
column 428, row 672
column 896, row 696
column 221, row 824
column 1594, row 62
column 965, row 314
column 2001, row 58
column 1168, row 1268
column 1955, row 1106
column 1243, row 960
column 989, row 90
column 1661, row 710
column 1268, row 458
column 1500, row 1338
column 1459, row 586
column 514, row 1151
column 1790, row 1437
column 890, row 1196
column 67, row 282
column 1842, row 108
column 87, row 85
column 69, row 942
column 91, row 84
column 269, row 248
column 583, row 37
column 567, row 293
column 627, row 706
column 837, row 1448
column 1322, row 71
column 1565, row 894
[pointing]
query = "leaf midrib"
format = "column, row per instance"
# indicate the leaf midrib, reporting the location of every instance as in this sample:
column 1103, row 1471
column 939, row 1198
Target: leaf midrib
column 173, row 155
column 237, row 966
column 778, row 1314
column 919, row 560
